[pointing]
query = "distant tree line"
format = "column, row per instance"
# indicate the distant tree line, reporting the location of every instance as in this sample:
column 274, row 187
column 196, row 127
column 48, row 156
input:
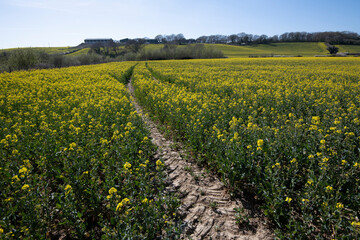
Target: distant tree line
column 344, row 37
column 247, row 39
column 178, row 39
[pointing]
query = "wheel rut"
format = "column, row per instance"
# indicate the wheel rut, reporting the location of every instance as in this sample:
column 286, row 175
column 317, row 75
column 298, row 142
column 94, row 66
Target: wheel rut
column 206, row 207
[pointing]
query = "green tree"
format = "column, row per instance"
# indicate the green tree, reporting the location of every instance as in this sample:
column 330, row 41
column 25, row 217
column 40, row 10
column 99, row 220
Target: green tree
column 332, row 49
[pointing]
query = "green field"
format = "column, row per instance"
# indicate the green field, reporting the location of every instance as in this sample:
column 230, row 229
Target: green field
column 305, row 49
column 49, row 50
column 349, row 48
column 81, row 51
column 293, row 49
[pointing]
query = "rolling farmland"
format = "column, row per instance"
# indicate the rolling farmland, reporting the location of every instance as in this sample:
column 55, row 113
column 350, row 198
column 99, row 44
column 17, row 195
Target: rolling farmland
column 282, row 131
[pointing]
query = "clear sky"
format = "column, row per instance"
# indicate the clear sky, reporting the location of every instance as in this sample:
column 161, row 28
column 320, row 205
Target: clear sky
column 44, row 23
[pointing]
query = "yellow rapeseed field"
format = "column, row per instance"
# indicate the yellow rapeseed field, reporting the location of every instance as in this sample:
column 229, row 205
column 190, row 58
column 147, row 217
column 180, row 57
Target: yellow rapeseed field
column 286, row 129
column 76, row 160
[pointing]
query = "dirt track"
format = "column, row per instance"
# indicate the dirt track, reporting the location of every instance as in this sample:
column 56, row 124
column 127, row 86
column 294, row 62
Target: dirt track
column 206, row 207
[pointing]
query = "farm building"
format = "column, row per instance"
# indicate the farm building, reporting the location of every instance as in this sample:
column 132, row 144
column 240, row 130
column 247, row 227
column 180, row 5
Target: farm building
column 97, row 40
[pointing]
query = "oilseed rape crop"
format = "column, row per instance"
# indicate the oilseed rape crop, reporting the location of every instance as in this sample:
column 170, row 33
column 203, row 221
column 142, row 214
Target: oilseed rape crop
column 76, row 159
column 285, row 129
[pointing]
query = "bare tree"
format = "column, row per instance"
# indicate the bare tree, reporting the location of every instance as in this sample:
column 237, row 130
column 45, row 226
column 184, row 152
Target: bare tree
column 233, row 38
column 135, row 45
column 160, row 38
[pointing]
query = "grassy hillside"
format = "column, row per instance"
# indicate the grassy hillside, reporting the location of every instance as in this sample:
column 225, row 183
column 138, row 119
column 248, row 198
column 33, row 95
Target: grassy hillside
column 306, row 49
column 349, row 48
column 294, row 49
column 81, row 51
column 49, row 50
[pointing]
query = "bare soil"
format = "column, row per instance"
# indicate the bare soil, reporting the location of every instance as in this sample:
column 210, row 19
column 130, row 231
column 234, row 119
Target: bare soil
column 207, row 208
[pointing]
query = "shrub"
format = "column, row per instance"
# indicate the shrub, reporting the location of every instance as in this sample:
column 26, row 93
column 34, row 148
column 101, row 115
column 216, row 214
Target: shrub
column 23, row 59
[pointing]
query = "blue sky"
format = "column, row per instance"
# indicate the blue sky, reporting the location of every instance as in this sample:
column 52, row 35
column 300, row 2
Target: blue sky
column 44, row 23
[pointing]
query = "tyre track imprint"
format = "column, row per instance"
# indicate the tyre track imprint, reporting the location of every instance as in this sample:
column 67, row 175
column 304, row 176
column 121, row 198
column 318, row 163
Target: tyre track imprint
column 206, row 207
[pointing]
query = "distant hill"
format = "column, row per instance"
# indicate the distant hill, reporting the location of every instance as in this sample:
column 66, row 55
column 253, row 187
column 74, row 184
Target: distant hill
column 49, row 50
column 289, row 49
column 305, row 49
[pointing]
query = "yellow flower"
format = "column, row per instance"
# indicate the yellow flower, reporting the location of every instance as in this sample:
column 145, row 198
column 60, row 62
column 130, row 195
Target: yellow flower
column 329, row 188
column 305, row 200
column 343, row 162
column 260, row 142
column 322, row 141
column 310, row 182
column 119, row 206
column 23, row 170
column 276, row 165
column 128, row 211
column 339, row 205
column 1, row 231
column 145, row 200
column 288, row 199
column 25, row 186
column 68, row 189
column 355, row 224
column 315, row 120
column 127, row 165
column 15, row 152
column 16, row 178
column 293, row 160
column 112, row 191
column 159, row 163
column 122, row 203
